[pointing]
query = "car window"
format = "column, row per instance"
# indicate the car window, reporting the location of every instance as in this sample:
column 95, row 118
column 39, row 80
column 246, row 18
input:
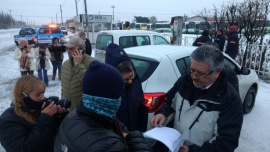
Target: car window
column 55, row 30
column 27, row 31
column 143, row 40
column 230, row 64
column 144, row 68
column 63, row 28
column 103, row 41
column 44, row 31
column 126, row 42
column 158, row 40
column 183, row 65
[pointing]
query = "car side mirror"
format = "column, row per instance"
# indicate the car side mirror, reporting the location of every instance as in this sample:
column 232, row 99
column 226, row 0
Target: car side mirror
column 245, row 71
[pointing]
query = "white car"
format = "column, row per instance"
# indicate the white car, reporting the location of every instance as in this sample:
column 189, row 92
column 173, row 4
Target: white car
column 126, row 39
column 64, row 30
column 159, row 66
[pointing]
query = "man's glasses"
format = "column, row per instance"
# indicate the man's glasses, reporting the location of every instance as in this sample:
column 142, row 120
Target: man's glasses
column 198, row 73
column 131, row 77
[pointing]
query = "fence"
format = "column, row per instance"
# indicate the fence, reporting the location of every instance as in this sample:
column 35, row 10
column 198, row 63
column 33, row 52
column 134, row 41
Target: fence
column 253, row 56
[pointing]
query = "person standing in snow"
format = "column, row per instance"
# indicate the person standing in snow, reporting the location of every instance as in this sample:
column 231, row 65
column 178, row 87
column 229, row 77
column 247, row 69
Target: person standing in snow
column 25, row 55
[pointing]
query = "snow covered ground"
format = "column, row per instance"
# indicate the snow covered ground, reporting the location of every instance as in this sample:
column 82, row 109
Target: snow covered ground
column 255, row 135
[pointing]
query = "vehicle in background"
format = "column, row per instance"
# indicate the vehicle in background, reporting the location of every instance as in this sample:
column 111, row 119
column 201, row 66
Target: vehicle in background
column 46, row 33
column 126, row 39
column 159, row 67
column 162, row 27
column 64, row 30
column 27, row 33
column 150, row 27
column 141, row 26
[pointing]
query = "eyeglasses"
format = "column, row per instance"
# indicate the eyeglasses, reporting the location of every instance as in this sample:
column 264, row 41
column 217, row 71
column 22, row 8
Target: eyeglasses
column 130, row 77
column 198, row 73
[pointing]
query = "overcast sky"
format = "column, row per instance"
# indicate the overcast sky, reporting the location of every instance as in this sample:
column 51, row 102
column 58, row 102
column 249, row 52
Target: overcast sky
column 44, row 11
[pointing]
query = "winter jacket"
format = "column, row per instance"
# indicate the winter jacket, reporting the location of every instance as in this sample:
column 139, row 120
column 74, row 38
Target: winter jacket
column 220, row 40
column 47, row 55
column 202, row 39
column 85, row 131
column 72, row 78
column 132, row 112
column 232, row 45
column 57, row 52
column 31, row 55
column 19, row 135
column 210, row 120
column 88, row 47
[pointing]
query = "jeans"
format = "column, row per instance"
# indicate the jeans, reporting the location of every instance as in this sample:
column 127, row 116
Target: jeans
column 42, row 70
column 57, row 65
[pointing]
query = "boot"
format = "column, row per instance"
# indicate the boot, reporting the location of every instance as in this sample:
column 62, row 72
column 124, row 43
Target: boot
column 53, row 76
column 59, row 77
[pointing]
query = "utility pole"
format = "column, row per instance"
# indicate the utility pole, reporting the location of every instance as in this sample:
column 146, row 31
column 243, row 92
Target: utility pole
column 56, row 19
column 27, row 21
column 61, row 15
column 10, row 18
column 76, row 7
column 21, row 20
column 113, row 12
column 86, row 19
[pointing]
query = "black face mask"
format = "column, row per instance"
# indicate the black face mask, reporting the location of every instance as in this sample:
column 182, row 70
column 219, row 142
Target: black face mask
column 31, row 104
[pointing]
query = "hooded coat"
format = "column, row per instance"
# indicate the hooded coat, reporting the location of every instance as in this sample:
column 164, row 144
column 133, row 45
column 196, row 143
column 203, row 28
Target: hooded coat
column 132, row 112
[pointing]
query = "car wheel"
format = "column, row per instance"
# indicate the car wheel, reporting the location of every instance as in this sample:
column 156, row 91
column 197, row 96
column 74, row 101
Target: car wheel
column 249, row 100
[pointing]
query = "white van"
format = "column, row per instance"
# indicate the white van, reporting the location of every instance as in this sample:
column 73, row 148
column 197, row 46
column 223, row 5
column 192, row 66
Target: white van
column 126, row 39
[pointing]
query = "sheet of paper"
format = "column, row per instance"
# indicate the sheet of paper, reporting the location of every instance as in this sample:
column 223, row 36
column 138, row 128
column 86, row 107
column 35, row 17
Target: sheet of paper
column 168, row 136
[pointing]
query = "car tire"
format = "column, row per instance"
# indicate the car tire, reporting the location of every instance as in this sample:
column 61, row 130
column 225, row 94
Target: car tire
column 249, row 100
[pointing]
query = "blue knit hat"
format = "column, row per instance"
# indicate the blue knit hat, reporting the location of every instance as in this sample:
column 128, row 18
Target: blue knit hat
column 115, row 55
column 102, row 80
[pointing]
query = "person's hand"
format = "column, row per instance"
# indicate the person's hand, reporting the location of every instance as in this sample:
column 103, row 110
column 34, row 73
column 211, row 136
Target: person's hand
column 61, row 110
column 77, row 57
column 183, row 148
column 157, row 120
column 50, row 110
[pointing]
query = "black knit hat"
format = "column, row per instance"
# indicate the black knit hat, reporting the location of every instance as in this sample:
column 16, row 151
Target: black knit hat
column 102, row 80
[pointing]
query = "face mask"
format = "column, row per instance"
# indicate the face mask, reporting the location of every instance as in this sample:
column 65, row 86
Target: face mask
column 31, row 104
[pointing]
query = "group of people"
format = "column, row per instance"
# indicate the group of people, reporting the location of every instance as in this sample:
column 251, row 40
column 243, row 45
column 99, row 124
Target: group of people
column 220, row 39
column 108, row 111
column 25, row 54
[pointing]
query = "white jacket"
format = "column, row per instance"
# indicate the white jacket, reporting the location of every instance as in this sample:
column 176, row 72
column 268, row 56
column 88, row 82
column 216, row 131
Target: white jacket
column 47, row 55
column 31, row 55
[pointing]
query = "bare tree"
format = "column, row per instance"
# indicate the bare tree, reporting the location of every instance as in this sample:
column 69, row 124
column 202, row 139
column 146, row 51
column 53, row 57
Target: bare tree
column 153, row 19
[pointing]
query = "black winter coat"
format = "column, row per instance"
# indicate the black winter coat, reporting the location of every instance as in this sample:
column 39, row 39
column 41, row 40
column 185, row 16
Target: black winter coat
column 18, row 135
column 232, row 46
column 57, row 52
column 85, row 131
column 220, row 40
column 88, row 47
column 132, row 112
column 201, row 40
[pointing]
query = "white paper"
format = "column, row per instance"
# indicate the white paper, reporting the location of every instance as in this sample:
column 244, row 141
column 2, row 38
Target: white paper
column 168, row 136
